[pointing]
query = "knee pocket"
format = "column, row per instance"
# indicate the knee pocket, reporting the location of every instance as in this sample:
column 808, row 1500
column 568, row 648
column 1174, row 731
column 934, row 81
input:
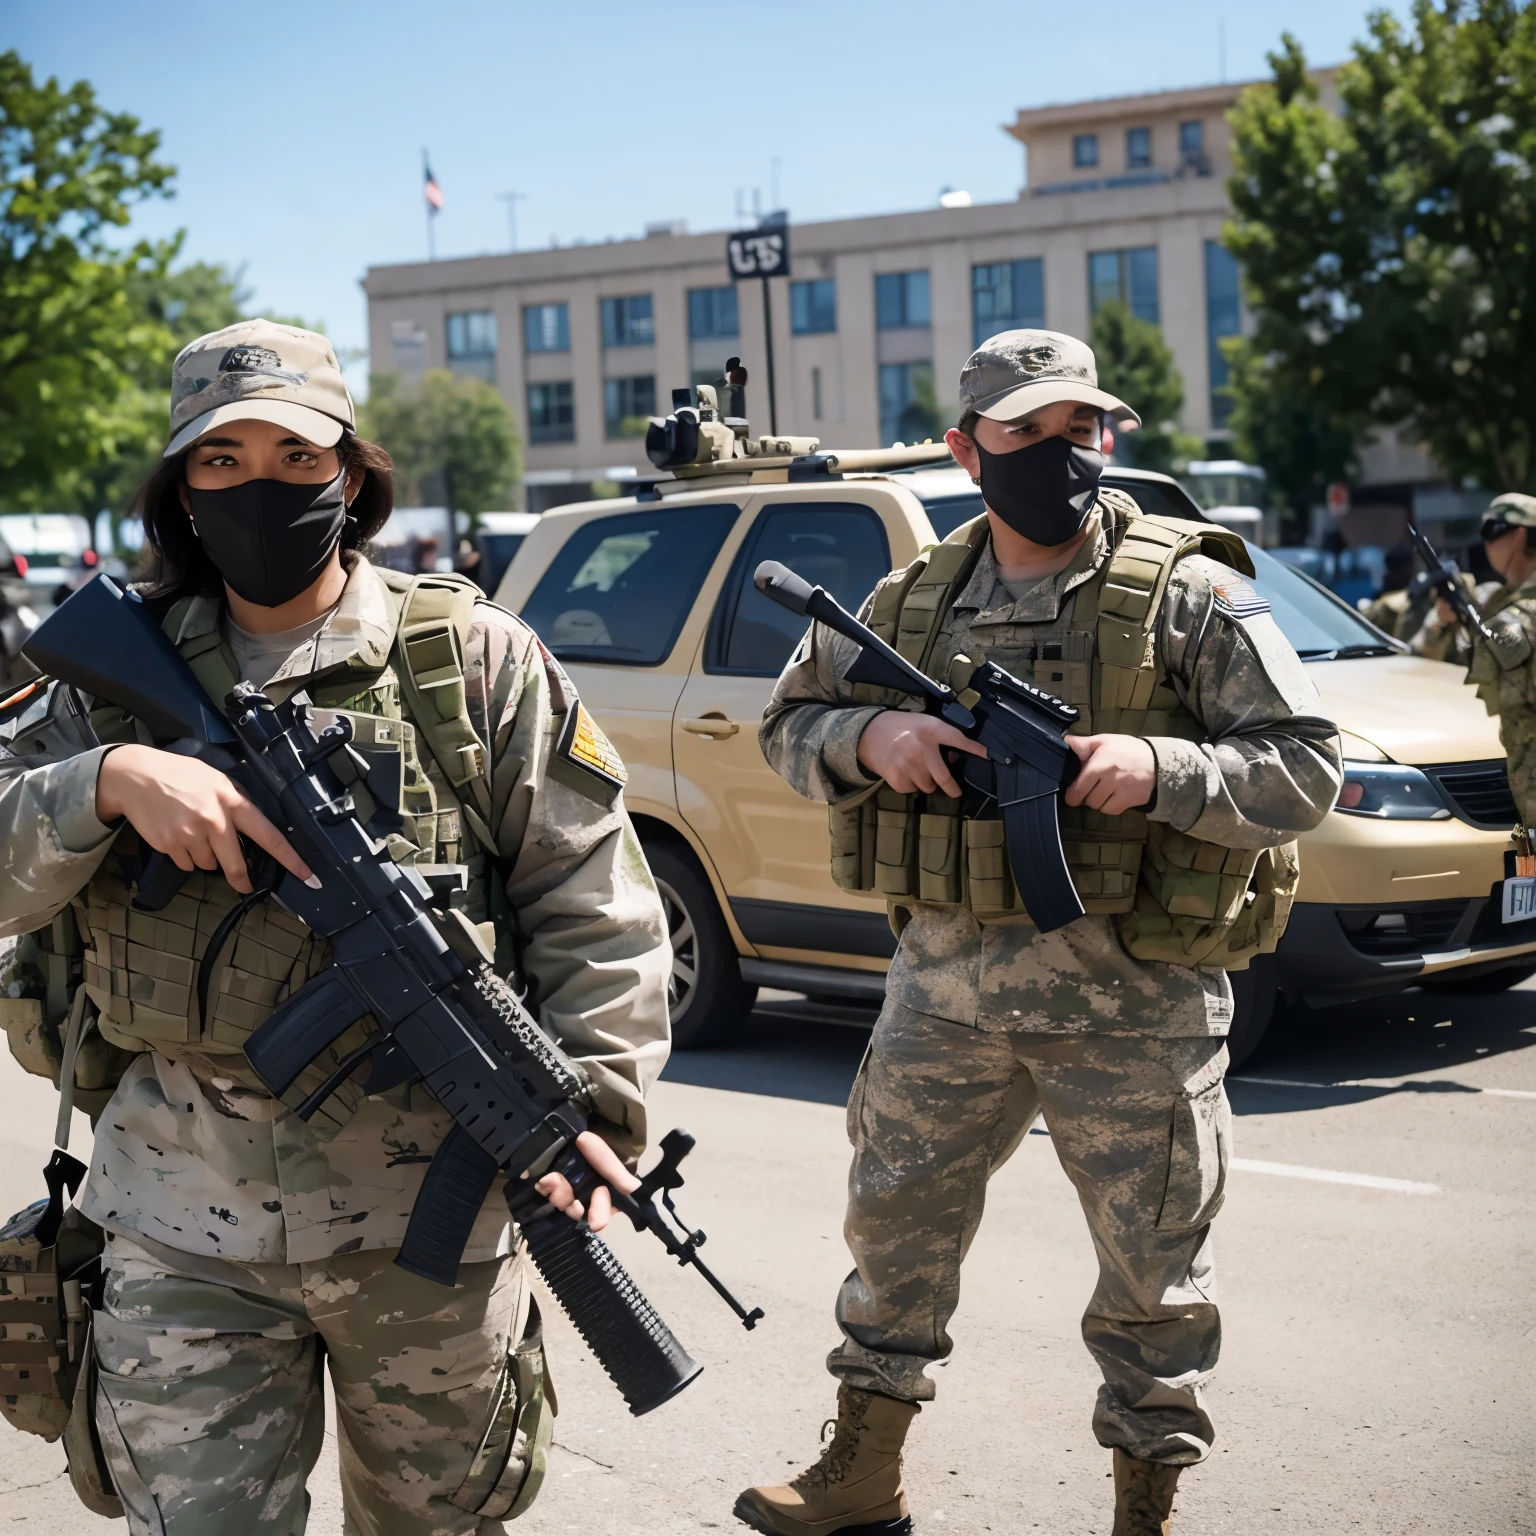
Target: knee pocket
column 512, row 1457
column 1199, row 1146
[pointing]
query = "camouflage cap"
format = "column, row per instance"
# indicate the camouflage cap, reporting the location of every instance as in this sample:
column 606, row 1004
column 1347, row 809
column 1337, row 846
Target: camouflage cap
column 1516, row 510
column 1016, row 372
column 258, row 370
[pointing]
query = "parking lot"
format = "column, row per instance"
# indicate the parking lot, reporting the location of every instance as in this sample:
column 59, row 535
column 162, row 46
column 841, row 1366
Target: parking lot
column 1376, row 1255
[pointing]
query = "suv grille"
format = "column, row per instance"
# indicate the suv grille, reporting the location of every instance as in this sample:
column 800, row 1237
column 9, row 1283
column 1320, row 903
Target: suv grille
column 1479, row 792
column 1408, row 931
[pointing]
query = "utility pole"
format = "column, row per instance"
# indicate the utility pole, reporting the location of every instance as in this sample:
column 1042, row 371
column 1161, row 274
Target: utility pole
column 512, row 199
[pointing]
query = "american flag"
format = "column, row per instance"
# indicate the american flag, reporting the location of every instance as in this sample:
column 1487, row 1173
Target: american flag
column 431, row 191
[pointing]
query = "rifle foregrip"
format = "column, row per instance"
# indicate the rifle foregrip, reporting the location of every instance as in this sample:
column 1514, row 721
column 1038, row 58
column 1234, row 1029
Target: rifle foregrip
column 621, row 1328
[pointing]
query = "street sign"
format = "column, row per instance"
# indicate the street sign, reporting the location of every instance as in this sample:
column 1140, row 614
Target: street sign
column 1338, row 499
column 762, row 252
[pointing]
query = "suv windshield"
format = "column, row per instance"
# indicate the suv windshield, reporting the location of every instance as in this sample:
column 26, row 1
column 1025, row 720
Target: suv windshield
column 1317, row 623
column 621, row 587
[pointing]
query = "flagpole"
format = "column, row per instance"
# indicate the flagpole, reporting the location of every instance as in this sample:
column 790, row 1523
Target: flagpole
column 426, row 171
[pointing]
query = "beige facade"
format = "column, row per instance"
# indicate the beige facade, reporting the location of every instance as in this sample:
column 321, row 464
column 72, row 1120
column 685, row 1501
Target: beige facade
column 1139, row 222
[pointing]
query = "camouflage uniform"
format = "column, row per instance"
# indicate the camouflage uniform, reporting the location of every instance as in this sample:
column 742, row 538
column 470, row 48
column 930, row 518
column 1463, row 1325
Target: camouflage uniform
column 987, row 1022
column 243, row 1239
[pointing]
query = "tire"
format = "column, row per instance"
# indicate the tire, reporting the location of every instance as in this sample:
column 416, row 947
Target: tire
column 1490, row 981
column 1255, row 992
column 708, row 1000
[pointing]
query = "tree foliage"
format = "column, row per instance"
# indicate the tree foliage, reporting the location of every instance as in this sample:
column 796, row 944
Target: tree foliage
column 1135, row 363
column 1388, row 250
column 453, row 440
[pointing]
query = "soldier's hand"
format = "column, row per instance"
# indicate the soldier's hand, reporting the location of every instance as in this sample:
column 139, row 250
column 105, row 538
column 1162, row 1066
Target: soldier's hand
column 907, row 751
column 1116, row 773
column 1445, row 615
column 556, row 1188
column 190, row 812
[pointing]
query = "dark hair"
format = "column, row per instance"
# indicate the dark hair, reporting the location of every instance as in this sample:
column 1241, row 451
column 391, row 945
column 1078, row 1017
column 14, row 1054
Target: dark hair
column 967, row 422
column 175, row 564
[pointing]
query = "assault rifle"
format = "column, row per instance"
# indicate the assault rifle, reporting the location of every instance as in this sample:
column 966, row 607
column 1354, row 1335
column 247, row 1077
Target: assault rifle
column 416, row 973
column 1023, row 728
column 1445, row 579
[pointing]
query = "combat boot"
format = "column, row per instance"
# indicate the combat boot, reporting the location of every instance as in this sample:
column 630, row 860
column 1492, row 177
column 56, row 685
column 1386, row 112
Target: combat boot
column 856, row 1486
column 1143, row 1496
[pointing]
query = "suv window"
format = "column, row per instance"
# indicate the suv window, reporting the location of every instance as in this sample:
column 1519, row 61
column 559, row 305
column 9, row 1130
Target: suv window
column 621, row 587
column 833, row 545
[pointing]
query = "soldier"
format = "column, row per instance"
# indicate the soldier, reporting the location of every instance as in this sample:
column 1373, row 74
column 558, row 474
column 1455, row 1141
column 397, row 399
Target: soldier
column 244, row 1245
column 1502, row 668
column 1202, row 748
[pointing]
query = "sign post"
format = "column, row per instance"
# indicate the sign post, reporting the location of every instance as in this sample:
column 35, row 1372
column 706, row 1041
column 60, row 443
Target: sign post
column 762, row 252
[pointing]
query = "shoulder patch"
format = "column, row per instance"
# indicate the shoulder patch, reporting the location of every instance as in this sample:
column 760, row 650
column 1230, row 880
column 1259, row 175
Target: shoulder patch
column 583, row 747
column 1236, row 599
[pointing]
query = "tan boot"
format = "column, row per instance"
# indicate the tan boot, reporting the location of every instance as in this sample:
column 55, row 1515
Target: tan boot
column 1143, row 1496
column 854, row 1488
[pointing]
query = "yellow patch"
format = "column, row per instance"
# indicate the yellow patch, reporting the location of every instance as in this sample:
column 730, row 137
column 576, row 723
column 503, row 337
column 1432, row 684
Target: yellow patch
column 585, row 744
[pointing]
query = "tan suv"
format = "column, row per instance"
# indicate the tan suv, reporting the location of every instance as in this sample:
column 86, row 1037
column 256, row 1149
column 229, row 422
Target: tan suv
column 648, row 602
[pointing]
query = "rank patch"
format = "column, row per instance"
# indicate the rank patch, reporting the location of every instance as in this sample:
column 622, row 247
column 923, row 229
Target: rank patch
column 1237, row 600
column 583, row 743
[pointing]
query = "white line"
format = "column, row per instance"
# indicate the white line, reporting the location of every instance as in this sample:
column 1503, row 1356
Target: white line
column 1333, row 1176
column 1387, row 1082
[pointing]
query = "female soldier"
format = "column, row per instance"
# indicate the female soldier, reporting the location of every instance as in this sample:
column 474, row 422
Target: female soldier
column 242, row 1242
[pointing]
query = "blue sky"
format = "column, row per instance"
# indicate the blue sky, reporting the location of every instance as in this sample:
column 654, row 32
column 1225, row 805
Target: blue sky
column 298, row 129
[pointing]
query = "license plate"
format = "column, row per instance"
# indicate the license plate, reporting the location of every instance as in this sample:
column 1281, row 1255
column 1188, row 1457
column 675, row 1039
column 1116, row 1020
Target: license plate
column 1520, row 899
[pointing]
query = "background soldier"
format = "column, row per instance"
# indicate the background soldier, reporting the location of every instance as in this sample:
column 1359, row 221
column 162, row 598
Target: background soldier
column 241, row 1239
column 1201, row 747
column 1502, row 668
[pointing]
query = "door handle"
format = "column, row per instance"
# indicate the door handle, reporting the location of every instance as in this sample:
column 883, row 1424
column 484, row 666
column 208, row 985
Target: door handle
column 711, row 725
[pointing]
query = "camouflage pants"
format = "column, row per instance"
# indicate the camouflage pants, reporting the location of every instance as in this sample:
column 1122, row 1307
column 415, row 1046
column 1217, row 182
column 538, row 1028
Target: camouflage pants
column 211, row 1413
column 1142, row 1128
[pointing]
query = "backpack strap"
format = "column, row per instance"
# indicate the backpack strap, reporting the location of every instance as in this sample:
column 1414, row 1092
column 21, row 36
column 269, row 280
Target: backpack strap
column 435, row 618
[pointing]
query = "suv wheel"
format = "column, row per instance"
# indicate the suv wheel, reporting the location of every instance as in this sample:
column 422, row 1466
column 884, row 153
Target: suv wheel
column 708, row 1000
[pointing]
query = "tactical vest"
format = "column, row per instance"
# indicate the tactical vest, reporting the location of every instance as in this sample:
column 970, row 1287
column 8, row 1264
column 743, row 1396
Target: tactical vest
column 140, row 969
column 1174, row 897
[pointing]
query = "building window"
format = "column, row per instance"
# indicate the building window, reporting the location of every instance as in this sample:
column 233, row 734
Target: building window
column 1138, row 148
column 1085, row 150
column 472, row 333
column 1223, row 317
column 1191, row 142
column 1126, row 277
column 628, row 322
column 551, row 413
column 628, row 405
column 712, row 313
column 547, row 327
column 813, row 307
column 816, row 394
column 901, row 300
column 1007, row 296
column 908, row 408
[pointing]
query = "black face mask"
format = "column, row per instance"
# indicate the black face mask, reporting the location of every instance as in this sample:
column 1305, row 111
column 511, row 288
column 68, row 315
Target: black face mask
column 269, row 538
column 1044, row 491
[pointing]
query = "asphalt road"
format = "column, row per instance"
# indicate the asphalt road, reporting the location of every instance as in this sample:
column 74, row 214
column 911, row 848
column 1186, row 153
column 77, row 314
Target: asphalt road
column 1376, row 1255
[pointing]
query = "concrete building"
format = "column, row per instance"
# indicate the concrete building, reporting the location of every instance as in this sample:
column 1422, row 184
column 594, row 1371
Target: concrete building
column 1122, row 199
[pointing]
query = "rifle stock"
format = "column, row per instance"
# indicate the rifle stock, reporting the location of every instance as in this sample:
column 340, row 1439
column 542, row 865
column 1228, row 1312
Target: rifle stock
column 441, row 1012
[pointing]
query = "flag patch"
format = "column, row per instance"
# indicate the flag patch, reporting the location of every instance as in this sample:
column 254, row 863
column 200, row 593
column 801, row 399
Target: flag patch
column 1236, row 599
column 583, row 743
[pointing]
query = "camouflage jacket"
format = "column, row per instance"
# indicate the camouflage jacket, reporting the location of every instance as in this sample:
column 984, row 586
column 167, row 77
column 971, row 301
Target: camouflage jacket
column 1269, row 770
column 188, row 1153
column 1504, row 673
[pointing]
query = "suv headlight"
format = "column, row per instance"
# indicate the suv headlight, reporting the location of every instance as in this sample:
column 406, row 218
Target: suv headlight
column 1390, row 791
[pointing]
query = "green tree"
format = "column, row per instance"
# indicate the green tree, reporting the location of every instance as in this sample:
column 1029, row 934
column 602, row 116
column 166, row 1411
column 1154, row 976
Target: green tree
column 453, row 440
column 75, row 342
column 1135, row 363
column 1389, row 250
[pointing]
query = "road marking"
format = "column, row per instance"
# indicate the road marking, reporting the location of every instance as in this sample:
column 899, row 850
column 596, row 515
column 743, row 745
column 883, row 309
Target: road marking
column 1387, row 1082
column 1333, row 1176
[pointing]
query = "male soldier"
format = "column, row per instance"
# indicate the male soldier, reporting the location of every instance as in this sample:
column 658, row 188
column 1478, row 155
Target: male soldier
column 1502, row 668
column 1201, row 747
column 245, row 1246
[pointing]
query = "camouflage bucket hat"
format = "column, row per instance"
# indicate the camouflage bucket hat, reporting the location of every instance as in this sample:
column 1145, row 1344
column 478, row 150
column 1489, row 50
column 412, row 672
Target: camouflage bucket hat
column 259, row 371
column 1514, row 509
column 1016, row 372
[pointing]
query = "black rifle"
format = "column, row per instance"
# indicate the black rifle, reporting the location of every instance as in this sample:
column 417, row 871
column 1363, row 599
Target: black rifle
column 1446, row 580
column 1022, row 727
column 418, row 977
